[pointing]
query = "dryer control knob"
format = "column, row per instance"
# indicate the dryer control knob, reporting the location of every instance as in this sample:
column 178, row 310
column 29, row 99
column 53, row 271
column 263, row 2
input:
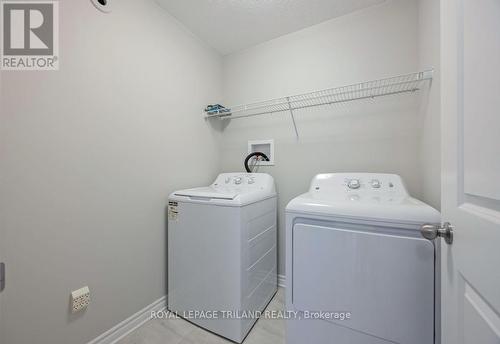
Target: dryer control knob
column 376, row 184
column 354, row 184
column 238, row 180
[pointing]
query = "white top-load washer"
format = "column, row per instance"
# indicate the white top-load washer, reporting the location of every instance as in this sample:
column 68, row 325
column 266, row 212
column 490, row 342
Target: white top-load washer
column 358, row 270
column 222, row 252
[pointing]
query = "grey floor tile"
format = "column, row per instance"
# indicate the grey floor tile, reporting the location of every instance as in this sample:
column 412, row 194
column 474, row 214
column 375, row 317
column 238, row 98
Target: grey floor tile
column 153, row 332
column 199, row 336
column 178, row 326
column 180, row 331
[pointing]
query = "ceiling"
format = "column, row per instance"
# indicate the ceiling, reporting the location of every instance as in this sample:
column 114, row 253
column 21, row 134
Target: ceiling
column 232, row 25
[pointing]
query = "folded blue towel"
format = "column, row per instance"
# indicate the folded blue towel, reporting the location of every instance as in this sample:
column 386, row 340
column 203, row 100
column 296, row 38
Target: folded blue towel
column 216, row 108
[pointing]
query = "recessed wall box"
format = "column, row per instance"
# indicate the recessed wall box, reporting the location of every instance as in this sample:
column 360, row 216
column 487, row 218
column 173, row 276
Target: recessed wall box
column 263, row 146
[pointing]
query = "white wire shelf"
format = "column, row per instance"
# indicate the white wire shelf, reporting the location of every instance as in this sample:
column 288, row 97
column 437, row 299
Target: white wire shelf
column 401, row 84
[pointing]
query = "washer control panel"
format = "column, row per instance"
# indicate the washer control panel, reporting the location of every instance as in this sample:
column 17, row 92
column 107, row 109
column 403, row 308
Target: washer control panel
column 242, row 180
column 239, row 180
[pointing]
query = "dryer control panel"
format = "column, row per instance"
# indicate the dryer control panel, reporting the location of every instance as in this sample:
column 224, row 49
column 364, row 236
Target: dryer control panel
column 358, row 183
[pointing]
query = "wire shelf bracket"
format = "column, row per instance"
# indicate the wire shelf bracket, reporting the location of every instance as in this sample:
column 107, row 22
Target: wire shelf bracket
column 407, row 83
column 293, row 118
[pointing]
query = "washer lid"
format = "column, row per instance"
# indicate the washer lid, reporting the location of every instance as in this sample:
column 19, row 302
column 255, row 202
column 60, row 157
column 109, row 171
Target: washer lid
column 230, row 189
column 208, row 192
column 363, row 196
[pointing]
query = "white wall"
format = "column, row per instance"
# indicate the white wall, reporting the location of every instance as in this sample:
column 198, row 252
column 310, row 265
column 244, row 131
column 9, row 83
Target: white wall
column 88, row 156
column 373, row 136
column 429, row 55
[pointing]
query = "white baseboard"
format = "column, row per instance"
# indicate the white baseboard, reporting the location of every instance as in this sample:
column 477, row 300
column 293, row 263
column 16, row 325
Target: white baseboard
column 128, row 325
column 281, row 281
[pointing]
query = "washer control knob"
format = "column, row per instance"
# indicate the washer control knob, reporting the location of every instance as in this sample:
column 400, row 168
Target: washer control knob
column 238, row 180
column 251, row 180
column 228, row 180
column 354, row 184
column 376, row 184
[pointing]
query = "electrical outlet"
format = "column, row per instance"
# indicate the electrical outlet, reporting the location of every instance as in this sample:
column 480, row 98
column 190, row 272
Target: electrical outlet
column 80, row 299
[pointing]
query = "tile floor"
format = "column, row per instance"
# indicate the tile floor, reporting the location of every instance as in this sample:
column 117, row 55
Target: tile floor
column 179, row 331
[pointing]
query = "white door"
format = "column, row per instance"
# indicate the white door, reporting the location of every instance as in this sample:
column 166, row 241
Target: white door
column 470, row 42
column 2, row 244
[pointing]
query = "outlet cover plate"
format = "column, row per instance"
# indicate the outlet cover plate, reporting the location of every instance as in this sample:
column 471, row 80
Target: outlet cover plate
column 80, row 299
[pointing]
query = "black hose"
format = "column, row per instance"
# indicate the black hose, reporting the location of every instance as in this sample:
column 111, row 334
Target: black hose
column 250, row 156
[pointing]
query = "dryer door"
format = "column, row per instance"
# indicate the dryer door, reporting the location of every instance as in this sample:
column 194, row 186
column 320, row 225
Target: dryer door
column 386, row 281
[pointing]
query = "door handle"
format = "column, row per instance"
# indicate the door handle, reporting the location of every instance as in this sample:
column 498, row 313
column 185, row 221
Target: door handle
column 431, row 232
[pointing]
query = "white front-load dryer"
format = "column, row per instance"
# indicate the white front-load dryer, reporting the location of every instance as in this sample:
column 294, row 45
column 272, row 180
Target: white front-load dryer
column 358, row 270
column 222, row 252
